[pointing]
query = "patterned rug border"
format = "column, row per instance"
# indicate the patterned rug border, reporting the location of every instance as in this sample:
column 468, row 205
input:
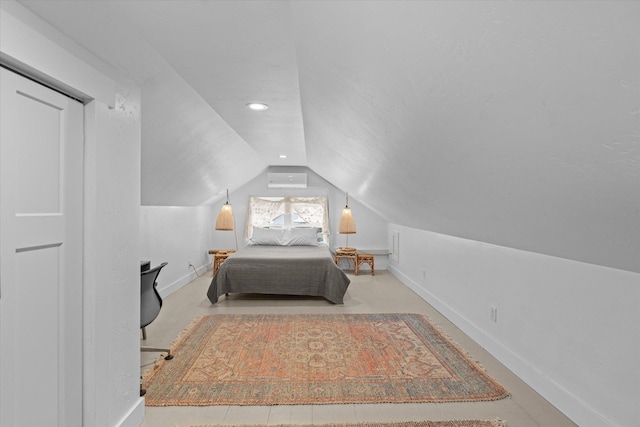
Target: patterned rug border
column 447, row 423
column 149, row 374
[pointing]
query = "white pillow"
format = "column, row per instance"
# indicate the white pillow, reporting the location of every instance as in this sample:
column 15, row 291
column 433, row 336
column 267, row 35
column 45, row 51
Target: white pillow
column 266, row 236
column 301, row 237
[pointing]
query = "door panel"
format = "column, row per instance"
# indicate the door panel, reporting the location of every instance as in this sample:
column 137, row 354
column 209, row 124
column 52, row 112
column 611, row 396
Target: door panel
column 41, row 181
column 39, row 155
column 37, row 354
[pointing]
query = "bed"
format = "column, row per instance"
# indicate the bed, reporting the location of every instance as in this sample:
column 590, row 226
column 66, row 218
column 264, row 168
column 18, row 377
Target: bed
column 280, row 270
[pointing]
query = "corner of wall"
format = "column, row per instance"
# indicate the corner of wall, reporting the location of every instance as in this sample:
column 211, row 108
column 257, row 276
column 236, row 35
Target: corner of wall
column 458, row 277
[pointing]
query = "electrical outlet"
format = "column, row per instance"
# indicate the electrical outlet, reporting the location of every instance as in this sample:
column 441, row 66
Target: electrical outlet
column 493, row 315
column 424, row 274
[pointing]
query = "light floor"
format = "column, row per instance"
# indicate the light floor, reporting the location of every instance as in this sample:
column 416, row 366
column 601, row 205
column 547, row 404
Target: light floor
column 382, row 293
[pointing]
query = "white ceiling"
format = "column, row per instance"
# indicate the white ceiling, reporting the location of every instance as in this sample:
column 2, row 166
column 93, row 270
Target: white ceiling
column 515, row 123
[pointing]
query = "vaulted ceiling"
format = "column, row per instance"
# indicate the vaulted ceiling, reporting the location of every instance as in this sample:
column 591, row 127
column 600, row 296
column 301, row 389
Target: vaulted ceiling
column 514, row 123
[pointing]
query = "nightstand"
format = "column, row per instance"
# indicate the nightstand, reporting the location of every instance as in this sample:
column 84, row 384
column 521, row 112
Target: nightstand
column 365, row 259
column 348, row 254
column 219, row 256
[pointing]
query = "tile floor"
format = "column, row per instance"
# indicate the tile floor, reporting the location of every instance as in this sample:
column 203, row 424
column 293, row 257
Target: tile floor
column 382, row 293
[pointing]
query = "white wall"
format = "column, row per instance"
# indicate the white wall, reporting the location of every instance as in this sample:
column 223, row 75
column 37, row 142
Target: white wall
column 571, row 330
column 111, row 359
column 178, row 235
column 371, row 228
column 112, row 272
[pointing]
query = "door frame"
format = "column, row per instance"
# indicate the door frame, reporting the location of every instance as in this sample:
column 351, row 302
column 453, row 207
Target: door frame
column 111, row 110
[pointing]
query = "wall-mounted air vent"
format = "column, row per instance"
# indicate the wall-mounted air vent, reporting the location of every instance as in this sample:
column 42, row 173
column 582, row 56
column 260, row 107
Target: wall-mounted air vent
column 287, row 180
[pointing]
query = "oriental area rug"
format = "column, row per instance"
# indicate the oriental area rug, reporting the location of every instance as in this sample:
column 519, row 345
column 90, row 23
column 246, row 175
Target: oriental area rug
column 463, row 423
column 312, row 359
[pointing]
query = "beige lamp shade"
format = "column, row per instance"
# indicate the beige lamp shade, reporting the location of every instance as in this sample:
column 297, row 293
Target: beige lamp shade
column 225, row 218
column 347, row 224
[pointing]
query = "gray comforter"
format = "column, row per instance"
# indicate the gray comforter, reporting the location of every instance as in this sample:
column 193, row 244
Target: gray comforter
column 281, row 270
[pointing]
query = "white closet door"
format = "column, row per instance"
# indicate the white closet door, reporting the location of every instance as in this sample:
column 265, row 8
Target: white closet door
column 41, row 184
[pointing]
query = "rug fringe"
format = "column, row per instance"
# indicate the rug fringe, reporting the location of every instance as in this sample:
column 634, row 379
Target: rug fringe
column 464, row 352
column 150, row 372
column 445, row 423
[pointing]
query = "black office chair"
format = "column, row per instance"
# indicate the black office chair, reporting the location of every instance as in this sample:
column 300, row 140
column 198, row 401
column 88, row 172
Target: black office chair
column 150, row 304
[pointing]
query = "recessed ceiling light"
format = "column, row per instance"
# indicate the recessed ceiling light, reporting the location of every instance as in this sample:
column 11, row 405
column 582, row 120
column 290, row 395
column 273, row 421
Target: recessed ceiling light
column 283, row 156
column 257, row 106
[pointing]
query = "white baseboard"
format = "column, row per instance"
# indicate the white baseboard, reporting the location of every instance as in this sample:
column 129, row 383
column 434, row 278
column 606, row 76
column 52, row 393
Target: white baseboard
column 134, row 417
column 574, row 408
column 172, row 287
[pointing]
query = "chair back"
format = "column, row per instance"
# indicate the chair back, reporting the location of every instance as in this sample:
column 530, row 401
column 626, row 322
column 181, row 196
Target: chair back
column 150, row 300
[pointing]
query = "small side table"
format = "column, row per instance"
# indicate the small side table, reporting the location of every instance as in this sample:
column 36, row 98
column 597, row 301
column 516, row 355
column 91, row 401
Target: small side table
column 350, row 255
column 365, row 259
column 219, row 256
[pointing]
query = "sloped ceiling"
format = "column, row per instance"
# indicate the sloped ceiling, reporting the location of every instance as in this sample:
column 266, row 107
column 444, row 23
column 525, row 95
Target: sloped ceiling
column 514, row 123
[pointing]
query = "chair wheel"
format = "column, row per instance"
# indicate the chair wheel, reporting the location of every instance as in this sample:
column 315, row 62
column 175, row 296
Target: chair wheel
column 142, row 392
column 168, row 357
